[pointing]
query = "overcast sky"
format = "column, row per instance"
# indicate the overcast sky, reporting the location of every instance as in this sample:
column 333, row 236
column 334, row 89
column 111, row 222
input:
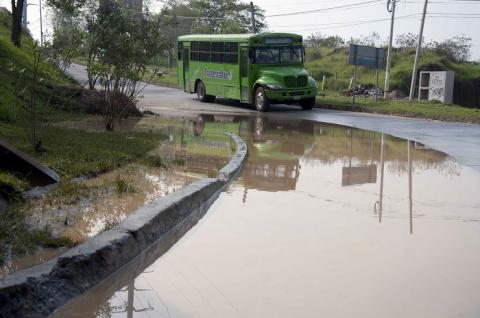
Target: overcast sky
column 447, row 18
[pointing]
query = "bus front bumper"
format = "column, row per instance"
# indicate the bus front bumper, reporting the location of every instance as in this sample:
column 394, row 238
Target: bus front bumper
column 291, row 95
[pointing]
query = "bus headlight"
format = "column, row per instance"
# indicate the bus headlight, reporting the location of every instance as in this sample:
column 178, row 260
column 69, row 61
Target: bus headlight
column 274, row 86
column 313, row 82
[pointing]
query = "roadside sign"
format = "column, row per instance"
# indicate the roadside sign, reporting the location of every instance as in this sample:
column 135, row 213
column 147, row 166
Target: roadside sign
column 368, row 56
column 359, row 175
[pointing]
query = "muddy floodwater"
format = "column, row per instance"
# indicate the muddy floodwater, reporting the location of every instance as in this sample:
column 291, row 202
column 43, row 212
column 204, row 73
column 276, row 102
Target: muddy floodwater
column 324, row 221
column 88, row 206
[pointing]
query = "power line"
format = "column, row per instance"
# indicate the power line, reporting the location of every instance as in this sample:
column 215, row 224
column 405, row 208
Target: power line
column 324, row 9
column 413, row 16
column 342, row 23
column 333, row 25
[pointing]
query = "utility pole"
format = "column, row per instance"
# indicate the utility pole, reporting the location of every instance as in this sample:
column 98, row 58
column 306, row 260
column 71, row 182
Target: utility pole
column 390, row 8
column 254, row 29
column 41, row 23
column 417, row 53
column 24, row 15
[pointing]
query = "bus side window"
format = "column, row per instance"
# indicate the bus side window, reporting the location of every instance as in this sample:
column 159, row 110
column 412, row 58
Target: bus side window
column 194, row 51
column 204, row 51
column 231, row 53
column 180, row 50
column 218, row 49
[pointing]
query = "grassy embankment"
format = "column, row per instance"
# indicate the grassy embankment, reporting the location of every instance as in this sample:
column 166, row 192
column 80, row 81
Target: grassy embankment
column 333, row 64
column 70, row 152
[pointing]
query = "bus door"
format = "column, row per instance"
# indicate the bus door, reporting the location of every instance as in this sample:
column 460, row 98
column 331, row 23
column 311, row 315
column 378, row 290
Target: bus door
column 244, row 87
column 186, row 69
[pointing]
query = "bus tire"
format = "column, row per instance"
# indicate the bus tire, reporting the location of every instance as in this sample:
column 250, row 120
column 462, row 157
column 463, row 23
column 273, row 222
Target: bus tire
column 260, row 100
column 308, row 103
column 202, row 95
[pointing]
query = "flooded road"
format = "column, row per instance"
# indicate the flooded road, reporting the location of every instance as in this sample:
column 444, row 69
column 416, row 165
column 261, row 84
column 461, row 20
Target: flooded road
column 324, row 221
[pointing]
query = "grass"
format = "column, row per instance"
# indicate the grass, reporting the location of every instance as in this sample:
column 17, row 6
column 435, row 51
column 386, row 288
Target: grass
column 427, row 110
column 13, row 182
column 74, row 152
column 123, row 186
column 16, row 236
column 70, row 152
column 333, row 64
column 168, row 79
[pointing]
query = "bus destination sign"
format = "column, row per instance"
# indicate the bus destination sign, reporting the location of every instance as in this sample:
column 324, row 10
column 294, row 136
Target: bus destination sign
column 278, row 40
column 218, row 74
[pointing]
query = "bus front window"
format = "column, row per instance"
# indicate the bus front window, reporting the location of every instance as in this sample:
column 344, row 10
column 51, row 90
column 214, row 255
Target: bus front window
column 275, row 55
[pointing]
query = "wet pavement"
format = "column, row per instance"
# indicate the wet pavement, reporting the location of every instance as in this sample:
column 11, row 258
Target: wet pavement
column 324, row 221
column 459, row 140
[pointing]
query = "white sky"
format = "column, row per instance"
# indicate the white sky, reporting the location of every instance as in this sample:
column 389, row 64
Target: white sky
column 331, row 22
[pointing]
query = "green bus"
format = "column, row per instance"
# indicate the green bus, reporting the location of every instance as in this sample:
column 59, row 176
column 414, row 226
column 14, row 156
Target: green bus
column 260, row 69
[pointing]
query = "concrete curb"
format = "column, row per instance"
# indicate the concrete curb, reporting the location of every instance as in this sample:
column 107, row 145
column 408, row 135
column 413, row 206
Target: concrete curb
column 40, row 290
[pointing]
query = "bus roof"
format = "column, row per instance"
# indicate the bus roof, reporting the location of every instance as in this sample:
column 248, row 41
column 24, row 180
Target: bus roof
column 233, row 37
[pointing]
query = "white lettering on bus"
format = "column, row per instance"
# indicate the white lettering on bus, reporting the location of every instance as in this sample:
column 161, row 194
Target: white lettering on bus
column 218, row 74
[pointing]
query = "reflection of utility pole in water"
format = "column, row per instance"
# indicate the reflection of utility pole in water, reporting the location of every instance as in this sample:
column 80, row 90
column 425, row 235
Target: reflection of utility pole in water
column 130, row 309
column 410, row 200
column 350, row 132
column 382, row 168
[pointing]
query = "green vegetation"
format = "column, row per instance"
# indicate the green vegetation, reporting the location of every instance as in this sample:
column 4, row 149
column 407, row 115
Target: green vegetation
column 166, row 77
column 13, row 182
column 155, row 160
column 332, row 62
column 427, row 110
column 70, row 152
column 123, row 186
column 17, row 237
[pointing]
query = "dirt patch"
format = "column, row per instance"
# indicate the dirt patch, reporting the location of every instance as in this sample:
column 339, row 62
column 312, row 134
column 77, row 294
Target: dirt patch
column 89, row 101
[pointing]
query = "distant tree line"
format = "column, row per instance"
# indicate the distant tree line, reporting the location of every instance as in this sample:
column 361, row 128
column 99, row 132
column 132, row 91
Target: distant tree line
column 457, row 48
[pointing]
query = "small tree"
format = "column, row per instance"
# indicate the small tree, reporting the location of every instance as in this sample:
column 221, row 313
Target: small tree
column 67, row 35
column 407, row 40
column 27, row 84
column 125, row 44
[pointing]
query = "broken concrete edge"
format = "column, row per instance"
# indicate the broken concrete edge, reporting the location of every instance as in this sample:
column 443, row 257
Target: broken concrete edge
column 40, row 290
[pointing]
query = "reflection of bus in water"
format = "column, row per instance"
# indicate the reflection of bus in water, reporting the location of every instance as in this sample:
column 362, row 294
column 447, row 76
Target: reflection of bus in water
column 275, row 148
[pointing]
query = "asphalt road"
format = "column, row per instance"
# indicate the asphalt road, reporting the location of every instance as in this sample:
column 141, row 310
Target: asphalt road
column 459, row 140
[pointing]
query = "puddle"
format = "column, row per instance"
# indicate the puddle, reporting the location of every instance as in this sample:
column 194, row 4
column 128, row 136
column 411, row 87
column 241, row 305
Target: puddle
column 97, row 204
column 324, row 221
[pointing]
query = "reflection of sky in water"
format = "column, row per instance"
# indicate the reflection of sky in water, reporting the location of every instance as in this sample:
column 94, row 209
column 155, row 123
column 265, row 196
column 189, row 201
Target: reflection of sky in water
column 298, row 234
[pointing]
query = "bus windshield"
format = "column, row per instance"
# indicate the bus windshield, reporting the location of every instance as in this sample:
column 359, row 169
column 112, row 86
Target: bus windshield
column 271, row 55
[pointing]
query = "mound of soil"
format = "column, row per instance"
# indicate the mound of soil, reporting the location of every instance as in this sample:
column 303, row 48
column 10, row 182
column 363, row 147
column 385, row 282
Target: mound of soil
column 89, row 101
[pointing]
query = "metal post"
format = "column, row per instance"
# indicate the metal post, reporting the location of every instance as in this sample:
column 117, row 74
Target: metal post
column 41, row 23
column 382, row 169
column 354, row 83
column 376, row 75
column 417, row 54
column 254, row 28
column 354, row 74
column 410, row 199
column 389, row 52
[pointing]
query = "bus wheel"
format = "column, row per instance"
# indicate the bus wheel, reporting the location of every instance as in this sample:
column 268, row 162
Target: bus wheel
column 201, row 94
column 307, row 103
column 262, row 104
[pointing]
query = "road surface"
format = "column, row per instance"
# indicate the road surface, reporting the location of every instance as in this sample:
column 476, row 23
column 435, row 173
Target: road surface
column 461, row 141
